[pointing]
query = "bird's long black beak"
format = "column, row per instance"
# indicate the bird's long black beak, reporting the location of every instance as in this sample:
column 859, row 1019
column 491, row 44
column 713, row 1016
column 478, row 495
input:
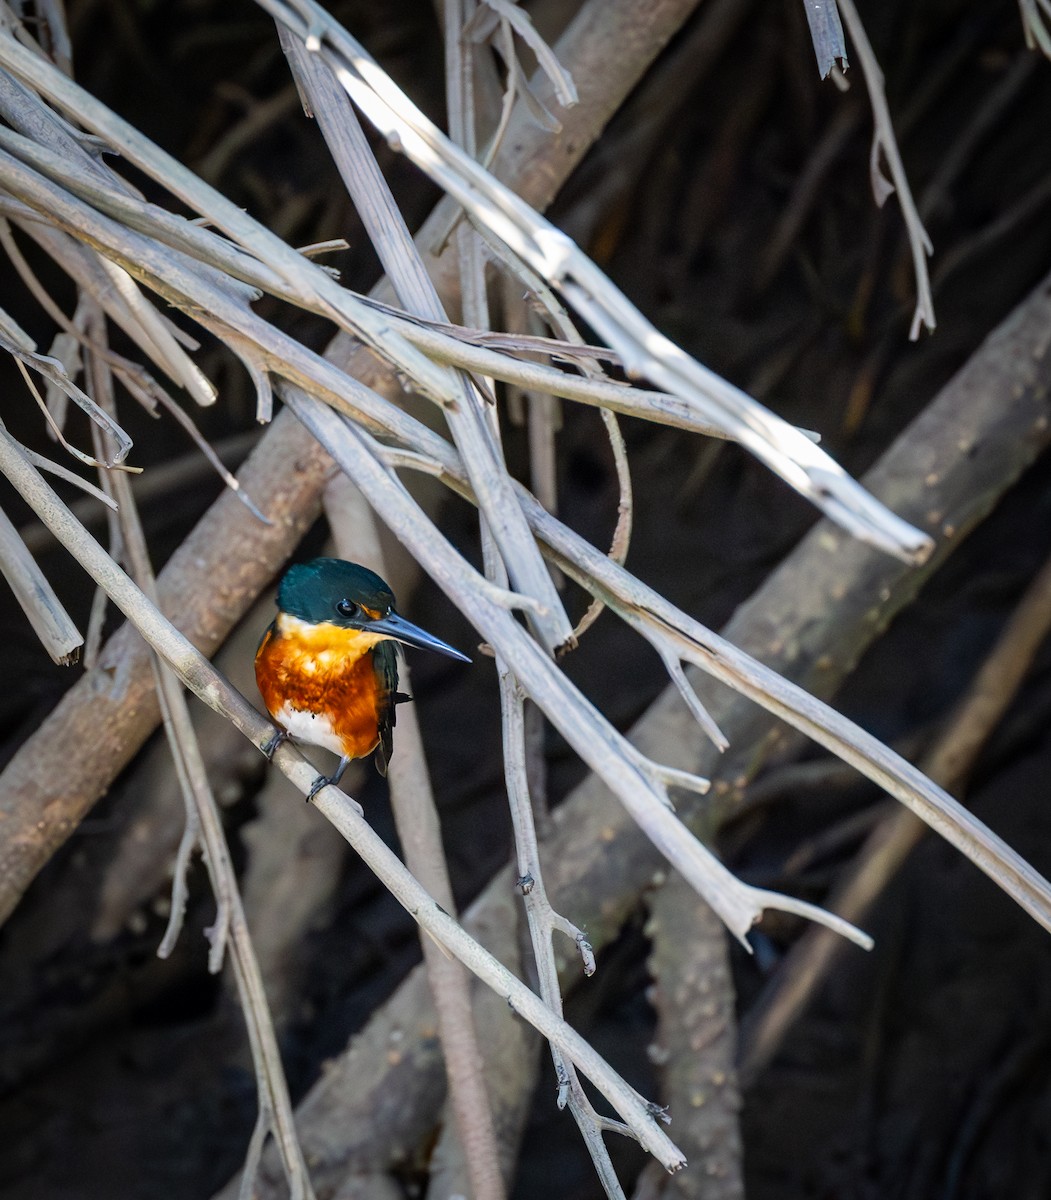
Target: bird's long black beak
column 412, row 635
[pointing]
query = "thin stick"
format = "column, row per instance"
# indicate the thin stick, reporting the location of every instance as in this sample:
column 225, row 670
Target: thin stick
column 202, row 678
column 441, row 342
column 812, row 620
column 288, row 471
column 419, row 832
column 548, row 251
column 203, row 820
column 687, row 639
column 641, row 784
column 1035, row 17
column 51, row 623
column 645, row 351
column 543, row 921
column 474, row 1114
column 883, row 140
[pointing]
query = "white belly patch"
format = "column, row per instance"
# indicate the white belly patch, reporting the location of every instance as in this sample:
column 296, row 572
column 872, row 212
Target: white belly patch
column 314, row 729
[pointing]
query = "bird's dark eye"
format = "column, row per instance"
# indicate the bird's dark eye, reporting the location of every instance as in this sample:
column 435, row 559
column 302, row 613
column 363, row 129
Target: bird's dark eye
column 347, row 608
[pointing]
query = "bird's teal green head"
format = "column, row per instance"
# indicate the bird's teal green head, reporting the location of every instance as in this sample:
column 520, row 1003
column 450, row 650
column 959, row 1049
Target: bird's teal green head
column 331, row 591
column 350, row 596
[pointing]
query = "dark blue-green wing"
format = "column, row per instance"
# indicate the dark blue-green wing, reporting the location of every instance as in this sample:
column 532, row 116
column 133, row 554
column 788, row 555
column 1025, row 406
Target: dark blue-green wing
column 385, row 662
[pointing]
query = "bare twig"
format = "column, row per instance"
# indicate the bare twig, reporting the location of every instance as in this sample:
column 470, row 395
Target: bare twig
column 544, row 922
column 201, row 677
column 171, row 271
column 467, row 423
column 641, row 784
column 420, row 837
column 163, row 478
column 204, row 822
column 884, row 142
column 559, row 320
column 61, row 472
column 102, row 723
column 811, row 620
column 309, row 282
column 18, row 345
column 827, row 35
column 419, row 832
column 477, row 1155
column 51, row 623
column 1036, row 14
column 686, row 639
column 552, row 255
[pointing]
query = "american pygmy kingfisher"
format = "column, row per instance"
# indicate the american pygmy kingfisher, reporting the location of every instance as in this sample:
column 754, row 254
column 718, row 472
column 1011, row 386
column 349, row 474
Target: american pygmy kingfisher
column 327, row 667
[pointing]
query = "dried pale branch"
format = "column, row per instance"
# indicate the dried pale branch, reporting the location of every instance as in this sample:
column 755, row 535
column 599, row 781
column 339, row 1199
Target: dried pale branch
column 236, row 557
column 449, row 345
column 543, row 921
column 419, row 833
column 314, row 287
column 136, row 378
column 55, row 31
column 175, row 277
column 183, row 419
column 640, row 784
column 685, row 639
column 599, row 863
column 467, row 422
column 21, row 348
column 660, row 622
column 51, row 623
column 205, row 824
column 473, row 1162
column 214, row 253
column 83, row 266
column 30, row 116
column 171, row 272
column 637, row 1114
column 61, row 472
column 1035, row 17
column 618, row 550
column 541, row 414
column 23, row 111
column 202, row 678
column 162, row 340
column 885, row 143
column 509, row 13
column 826, row 33
column 550, row 253
column 190, row 269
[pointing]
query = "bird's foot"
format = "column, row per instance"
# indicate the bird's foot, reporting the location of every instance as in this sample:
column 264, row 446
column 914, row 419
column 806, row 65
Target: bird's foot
column 270, row 748
column 320, row 781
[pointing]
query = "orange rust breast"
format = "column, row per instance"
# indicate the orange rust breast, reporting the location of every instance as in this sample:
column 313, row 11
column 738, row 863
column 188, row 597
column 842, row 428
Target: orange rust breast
column 327, row 671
